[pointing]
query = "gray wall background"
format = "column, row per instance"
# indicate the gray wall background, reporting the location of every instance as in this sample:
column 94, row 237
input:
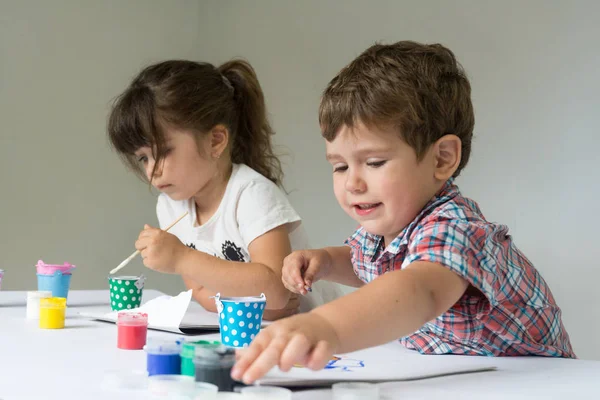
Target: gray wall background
column 533, row 66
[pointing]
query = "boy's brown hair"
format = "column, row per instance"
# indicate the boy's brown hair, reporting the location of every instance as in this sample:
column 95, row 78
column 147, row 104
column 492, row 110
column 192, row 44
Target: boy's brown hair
column 420, row 90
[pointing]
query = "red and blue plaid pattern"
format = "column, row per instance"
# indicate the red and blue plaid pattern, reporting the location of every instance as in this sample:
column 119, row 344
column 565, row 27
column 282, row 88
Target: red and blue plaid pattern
column 517, row 314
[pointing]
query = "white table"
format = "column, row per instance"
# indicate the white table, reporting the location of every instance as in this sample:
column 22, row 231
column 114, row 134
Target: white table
column 71, row 363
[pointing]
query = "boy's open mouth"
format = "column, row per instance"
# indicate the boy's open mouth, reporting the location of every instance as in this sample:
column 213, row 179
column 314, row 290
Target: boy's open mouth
column 365, row 208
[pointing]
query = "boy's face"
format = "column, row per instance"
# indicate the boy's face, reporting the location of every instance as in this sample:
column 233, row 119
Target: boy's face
column 377, row 179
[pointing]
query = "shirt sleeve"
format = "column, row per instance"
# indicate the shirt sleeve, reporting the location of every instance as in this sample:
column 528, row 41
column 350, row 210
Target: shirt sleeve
column 461, row 246
column 261, row 207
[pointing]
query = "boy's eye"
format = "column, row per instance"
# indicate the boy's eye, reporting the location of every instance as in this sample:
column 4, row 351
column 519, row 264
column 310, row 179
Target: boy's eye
column 340, row 168
column 376, row 164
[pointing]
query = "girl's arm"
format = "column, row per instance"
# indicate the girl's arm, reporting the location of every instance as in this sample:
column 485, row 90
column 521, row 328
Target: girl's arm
column 232, row 278
column 204, row 297
column 201, row 294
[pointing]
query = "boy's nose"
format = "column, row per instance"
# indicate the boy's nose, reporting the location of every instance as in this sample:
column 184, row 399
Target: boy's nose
column 355, row 184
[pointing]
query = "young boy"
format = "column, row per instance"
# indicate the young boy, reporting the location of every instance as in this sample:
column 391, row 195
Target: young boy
column 398, row 123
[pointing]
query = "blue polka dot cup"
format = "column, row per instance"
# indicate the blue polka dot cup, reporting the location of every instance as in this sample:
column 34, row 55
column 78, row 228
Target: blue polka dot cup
column 239, row 318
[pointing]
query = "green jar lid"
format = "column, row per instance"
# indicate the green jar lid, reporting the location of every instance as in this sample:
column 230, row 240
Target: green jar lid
column 188, row 350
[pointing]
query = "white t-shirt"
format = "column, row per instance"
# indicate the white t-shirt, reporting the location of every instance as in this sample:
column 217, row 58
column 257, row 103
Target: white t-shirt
column 251, row 206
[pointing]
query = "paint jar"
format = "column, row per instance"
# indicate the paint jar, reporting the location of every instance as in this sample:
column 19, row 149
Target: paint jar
column 162, row 357
column 213, row 365
column 266, row 393
column 354, row 391
column 239, row 318
column 54, row 277
column 180, row 387
column 132, row 328
column 57, row 283
column 1, row 276
column 33, row 303
column 188, row 350
column 125, row 292
column 52, row 312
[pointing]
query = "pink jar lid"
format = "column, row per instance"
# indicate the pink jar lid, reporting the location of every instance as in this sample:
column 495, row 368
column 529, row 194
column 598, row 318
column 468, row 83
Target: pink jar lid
column 49, row 269
column 132, row 318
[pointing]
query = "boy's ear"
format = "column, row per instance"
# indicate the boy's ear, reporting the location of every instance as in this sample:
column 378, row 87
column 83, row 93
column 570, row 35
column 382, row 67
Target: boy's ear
column 447, row 153
column 219, row 138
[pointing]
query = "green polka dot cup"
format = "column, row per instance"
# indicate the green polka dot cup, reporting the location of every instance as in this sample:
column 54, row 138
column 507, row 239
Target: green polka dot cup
column 240, row 318
column 125, row 291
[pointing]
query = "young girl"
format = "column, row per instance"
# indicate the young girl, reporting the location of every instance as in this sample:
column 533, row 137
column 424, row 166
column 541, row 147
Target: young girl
column 200, row 135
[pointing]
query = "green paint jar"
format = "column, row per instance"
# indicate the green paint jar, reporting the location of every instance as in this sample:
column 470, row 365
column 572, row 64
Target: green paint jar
column 188, row 351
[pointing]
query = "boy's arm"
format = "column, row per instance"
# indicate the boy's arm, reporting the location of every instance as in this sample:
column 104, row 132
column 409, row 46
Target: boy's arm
column 393, row 305
column 397, row 304
column 341, row 267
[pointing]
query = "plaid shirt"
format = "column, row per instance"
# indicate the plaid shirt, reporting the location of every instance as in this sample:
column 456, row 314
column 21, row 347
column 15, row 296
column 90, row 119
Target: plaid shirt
column 517, row 314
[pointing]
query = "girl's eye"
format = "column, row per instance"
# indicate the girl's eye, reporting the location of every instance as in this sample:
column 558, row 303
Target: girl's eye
column 340, row 168
column 376, row 164
column 142, row 159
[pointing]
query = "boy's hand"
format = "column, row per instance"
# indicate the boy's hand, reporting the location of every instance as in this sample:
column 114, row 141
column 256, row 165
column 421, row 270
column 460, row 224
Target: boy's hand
column 160, row 250
column 306, row 339
column 302, row 268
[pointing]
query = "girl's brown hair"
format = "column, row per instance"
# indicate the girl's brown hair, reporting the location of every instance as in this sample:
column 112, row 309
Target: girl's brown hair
column 194, row 96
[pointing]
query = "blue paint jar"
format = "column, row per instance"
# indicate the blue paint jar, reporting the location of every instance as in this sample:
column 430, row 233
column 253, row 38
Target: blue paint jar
column 162, row 357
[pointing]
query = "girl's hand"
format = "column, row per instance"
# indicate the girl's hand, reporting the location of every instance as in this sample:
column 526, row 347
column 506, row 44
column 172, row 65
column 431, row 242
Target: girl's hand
column 160, row 250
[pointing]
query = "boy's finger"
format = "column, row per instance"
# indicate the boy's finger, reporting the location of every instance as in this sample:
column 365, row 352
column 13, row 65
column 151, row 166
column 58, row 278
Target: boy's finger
column 296, row 351
column 310, row 273
column 320, row 356
column 291, row 288
column 287, row 280
column 268, row 359
column 293, row 271
column 247, row 356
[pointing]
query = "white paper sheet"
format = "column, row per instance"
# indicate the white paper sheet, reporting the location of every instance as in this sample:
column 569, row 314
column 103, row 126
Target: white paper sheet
column 176, row 314
column 390, row 362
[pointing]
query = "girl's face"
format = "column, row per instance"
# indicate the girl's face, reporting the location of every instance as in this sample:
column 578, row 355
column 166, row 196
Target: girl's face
column 187, row 168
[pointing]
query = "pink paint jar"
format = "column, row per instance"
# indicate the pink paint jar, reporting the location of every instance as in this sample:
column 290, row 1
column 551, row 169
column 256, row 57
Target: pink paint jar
column 132, row 328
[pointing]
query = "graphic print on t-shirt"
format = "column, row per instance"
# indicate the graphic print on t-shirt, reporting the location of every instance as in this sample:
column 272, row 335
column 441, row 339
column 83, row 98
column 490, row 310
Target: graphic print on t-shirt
column 232, row 252
column 191, row 246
